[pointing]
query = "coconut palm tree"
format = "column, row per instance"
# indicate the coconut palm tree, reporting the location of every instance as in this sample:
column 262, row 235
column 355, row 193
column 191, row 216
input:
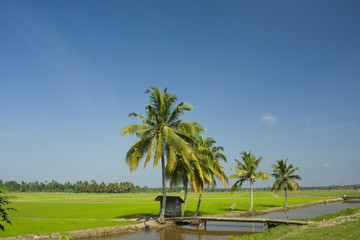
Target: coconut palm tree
column 162, row 135
column 183, row 173
column 284, row 177
column 209, row 157
column 247, row 171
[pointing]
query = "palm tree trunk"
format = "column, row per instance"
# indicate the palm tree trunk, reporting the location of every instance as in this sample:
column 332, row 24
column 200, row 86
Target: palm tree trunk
column 251, row 195
column 185, row 197
column 286, row 194
column 198, row 206
column 163, row 204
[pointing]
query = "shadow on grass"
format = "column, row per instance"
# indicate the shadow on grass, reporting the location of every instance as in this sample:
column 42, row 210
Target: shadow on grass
column 266, row 206
column 226, row 210
column 148, row 215
column 142, row 215
column 189, row 213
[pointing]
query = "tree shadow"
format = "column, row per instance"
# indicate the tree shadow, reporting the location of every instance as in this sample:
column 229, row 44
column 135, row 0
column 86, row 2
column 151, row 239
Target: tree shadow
column 139, row 216
column 267, row 205
column 189, row 213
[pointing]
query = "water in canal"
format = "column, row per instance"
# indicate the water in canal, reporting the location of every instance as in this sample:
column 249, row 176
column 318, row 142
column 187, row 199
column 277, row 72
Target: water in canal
column 214, row 231
column 310, row 212
column 222, row 230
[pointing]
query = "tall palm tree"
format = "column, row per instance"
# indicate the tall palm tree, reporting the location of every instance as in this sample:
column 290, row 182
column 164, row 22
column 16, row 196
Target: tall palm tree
column 162, row 134
column 247, row 171
column 209, row 157
column 284, row 177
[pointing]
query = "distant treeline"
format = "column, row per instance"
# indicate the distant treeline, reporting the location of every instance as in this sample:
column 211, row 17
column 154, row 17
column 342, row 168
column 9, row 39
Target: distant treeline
column 82, row 187
column 78, row 187
column 126, row 187
column 333, row 187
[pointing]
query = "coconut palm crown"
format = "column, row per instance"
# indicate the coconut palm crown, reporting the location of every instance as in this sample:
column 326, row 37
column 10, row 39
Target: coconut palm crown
column 284, row 177
column 247, row 171
column 161, row 134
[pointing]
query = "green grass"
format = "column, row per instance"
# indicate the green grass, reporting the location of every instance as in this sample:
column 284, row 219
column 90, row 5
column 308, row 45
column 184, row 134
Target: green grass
column 22, row 227
column 347, row 230
column 41, row 213
column 333, row 193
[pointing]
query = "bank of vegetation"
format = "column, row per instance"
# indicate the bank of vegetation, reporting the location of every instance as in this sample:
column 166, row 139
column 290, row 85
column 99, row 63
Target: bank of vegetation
column 128, row 187
column 77, row 187
column 344, row 224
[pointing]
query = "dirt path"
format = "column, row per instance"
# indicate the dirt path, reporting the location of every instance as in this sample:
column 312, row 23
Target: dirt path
column 336, row 221
column 82, row 219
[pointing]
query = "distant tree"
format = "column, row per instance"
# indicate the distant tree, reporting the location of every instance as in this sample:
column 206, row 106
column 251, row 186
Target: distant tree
column 284, row 177
column 86, row 187
column 93, row 186
column 68, row 187
column 247, row 171
column 79, row 187
column 13, row 186
column 101, row 188
column 4, row 201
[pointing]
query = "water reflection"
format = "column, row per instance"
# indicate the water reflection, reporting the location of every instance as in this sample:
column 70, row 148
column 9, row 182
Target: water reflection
column 213, row 231
column 310, row 212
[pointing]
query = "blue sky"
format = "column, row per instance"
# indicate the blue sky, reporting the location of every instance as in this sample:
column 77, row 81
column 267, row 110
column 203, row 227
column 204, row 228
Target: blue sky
column 279, row 78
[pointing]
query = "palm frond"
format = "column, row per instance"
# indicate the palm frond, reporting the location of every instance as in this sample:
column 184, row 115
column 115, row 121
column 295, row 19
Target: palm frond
column 261, row 175
column 136, row 152
column 149, row 154
column 159, row 149
column 292, row 185
column 134, row 128
column 179, row 110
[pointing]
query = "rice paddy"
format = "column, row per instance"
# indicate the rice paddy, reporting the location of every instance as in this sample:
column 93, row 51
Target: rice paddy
column 43, row 213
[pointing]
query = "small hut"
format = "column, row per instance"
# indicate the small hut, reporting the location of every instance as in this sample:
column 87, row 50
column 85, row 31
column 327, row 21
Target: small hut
column 173, row 205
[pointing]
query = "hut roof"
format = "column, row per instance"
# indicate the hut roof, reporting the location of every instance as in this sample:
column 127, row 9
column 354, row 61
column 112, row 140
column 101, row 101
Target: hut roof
column 160, row 197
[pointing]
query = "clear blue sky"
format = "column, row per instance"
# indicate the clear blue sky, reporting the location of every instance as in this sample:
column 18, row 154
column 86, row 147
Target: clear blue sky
column 279, row 78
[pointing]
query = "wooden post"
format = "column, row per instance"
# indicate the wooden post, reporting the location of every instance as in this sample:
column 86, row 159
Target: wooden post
column 265, row 226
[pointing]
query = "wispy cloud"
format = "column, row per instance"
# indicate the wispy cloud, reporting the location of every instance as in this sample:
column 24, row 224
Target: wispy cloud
column 268, row 119
column 11, row 135
column 327, row 165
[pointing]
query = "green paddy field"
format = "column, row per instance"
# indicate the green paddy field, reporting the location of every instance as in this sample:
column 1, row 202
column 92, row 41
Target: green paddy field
column 42, row 213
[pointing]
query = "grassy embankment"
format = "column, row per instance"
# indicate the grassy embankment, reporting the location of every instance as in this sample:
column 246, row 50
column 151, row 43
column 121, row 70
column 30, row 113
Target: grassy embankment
column 42, row 213
column 324, row 229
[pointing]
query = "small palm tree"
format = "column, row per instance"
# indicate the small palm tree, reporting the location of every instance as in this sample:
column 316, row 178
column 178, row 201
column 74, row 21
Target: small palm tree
column 162, row 134
column 247, row 171
column 209, row 157
column 284, row 178
column 182, row 174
